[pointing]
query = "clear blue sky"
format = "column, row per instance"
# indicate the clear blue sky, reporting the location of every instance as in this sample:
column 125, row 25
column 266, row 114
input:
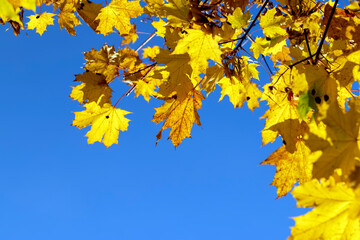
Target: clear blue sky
column 54, row 186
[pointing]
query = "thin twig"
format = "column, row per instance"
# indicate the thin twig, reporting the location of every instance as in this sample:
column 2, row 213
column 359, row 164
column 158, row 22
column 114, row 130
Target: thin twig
column 251, row 25
column 326, row 30
column 130, row 89
column 146, row 41
column 143, row 77
column 262, row 56
column 151, row 67
column 306, row 31
column 257, row 61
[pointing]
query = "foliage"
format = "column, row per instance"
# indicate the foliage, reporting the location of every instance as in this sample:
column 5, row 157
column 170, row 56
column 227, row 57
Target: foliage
column 309, row 49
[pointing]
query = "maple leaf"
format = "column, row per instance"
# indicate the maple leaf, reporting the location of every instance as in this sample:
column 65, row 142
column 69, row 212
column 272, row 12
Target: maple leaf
column 179, row 77
column 67, row 18
column 105, row 121
column 319, row 86
column 92, row 88
column 151, row 52
column 336, row 212
column 131, row 36
column 118, row 14
column 179, row 115
column 154, row 8
column 282, row 56
column 105, row 62
column 149, row 82
column 266, row 46
column 177, row 12
column 337, row 145
column 146, row 89
column 212, row 76
column 239, row 92
column 88, row 11
column 200, row 46
column 343, row 24
column 282, row 117
column 230, row 5
column 347, row 68
column 290, row 167
column 160, row 27
column 234, row 89
column 228, row 36
column 28, row 4
column 9, row 10
column 129, row 59
column 239, row 19
column 271, row 24
column 40, row 22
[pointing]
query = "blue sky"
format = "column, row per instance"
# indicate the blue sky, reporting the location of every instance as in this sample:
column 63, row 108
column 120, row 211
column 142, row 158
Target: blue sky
column 53, row 185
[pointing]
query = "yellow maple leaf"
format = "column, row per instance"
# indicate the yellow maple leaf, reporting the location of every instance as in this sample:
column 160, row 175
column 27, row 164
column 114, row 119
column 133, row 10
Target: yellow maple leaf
column 239, row 92
column 154, row 8
column 290, row 167
column 40, row 22
column 27, row 4
column 147, row 87
column 179, row 74
column 105, row 121
column 8, row 12
column 177, row 12
column 200, row 46
column 282, row 117
column 239, row 19
column 336, row 212
column 347, row 68
column 118, row 14
column 67, row 18
column 149, row 81
column 267, row 46
column 160, row 27
column 212, row 76
column 131, row 36
column 92, row 88
column 337, row 145
column 228, row 35
column 88, row 11
column 179, row 115
column 9, row 9
column 151, row 52
column 129, row 59
column 230, row 5
column 343, row 25
column 271, row 24
column 105, row 61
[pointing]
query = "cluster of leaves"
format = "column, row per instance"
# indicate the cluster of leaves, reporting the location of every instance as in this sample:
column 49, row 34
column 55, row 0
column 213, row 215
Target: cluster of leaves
column 312, row 96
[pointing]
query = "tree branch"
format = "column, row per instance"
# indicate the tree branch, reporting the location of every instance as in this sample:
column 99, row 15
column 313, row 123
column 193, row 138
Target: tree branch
column 251, row 25
column 326, row 30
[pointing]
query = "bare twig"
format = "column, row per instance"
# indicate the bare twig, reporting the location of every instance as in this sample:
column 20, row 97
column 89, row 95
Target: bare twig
column 251, row 25
column 326, row 30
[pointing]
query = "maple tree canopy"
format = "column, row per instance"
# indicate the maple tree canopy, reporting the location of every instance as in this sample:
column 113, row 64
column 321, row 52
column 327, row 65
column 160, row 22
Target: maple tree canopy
column 310, row 51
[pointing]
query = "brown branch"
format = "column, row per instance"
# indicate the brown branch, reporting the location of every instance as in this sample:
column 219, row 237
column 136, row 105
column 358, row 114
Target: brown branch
column 306, row 31
column 326, row 30
column 257, row 61
column 251, row 25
